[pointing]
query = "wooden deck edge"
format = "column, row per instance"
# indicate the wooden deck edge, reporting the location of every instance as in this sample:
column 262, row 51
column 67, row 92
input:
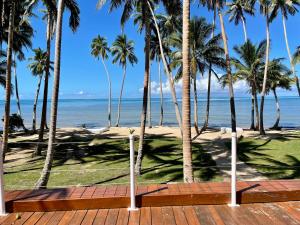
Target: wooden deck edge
column 150, row 200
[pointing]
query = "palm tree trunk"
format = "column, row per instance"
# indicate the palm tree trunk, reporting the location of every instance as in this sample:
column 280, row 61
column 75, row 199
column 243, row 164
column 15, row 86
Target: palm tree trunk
column 109, row 97
column 168, row 73
column 256, row 103
column 8, row 80
column 205, row 125
column 228, row 68
column 188, row 176
column 276, row 125
column 149, row 102
column 42, row 182
column 196, row 107
column 138, row 165
column 263, row 93
column 120, row 98
column 35, row 104
column 43, row 124
column 17, row 93
column 245, row 29
column 289, row 53
column 161, row 97
column 252, row 126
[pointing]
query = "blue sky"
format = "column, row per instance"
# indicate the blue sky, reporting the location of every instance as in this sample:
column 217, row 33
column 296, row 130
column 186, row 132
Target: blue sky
column 82, row 76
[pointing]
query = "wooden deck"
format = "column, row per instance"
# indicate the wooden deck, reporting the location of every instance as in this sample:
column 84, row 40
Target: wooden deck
column 102, row 197
column 284, row 213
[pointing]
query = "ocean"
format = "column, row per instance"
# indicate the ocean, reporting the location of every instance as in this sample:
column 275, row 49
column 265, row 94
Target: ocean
column 93, row 112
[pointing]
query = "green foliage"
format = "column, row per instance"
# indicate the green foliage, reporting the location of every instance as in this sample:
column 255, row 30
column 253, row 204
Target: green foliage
column 15, row 122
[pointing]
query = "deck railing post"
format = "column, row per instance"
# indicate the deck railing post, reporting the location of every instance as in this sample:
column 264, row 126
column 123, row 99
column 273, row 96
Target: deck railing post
column 2, row 200
column 233, row 169
column 132, row 175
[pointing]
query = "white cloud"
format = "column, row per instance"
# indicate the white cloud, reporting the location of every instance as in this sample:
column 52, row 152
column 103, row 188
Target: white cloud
column 201, row 86
column 81, row 92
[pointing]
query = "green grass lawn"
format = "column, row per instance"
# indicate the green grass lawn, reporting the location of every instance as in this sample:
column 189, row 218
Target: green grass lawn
column 277, row 157
column 106, row 161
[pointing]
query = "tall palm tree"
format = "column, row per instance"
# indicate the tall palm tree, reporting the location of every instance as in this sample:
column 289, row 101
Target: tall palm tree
column 247, row 67
column 100, row 49
column 10, row 39
column 265, row 10
column 279, row 77
column 296, row 56
column 237, row 10
column 204, row 51
column 72, row 6
column 123, row 52
column 50, row 16
column 188, row 175
column 286, row 7
column 38, row 67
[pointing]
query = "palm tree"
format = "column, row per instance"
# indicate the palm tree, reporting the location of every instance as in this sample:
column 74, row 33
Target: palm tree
column 72, row 6
column 99, row 50
column 264, row 9
column 237, row 10
column 204, row 51
column 247, row 67
column 279, row 77
column 50, row 16
column 123, row 52
column 188, row 176
column 38, row 67
column 286, row 7
column 11, row 5
column 296, row 56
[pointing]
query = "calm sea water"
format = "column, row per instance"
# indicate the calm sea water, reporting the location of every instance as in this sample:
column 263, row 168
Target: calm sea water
column 93, row 112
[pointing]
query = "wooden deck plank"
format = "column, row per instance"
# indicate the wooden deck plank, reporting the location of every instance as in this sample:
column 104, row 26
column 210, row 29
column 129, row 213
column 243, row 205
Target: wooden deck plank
column 123, row 217
column 191, row 215
column 156, row 215
column 10, row 219
column 168, row 216
column 78, row 217
column 145, row 216
column 34, row 218
column 45, row 218
column 24, row 217
column 204, row 215
column 112, row 217
column 221, row 209
column 134, row 218
column 67, row 218
column 90, row 217
column 89, row 191
column 56, row 218
column 101, row 217
column 179, row 215
column 215, row 216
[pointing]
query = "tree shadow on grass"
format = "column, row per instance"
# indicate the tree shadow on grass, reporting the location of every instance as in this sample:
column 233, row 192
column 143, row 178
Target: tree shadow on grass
column 251, row 151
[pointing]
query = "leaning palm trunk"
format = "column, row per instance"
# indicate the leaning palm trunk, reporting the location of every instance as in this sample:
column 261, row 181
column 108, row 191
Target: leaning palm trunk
column 252, row 126
column 245, row 29
column 43, row 124
column 42, row 182
column 263, row 93
column 161, row 97
column 109, row 89
column 35, row 104
column 168, row 73
column 276, row 125
column 17, row 94
column 120, row 98
column 256, row 104
column 205, row 125
column 8, row 80
column 195, row 106
column 149, row 102
column 290, row 55
column 228, row 69
column 188, row 176
column 138, row 165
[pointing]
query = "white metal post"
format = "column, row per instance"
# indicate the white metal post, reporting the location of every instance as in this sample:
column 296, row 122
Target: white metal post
column 132, row 175
column 233, row 169
column 2, row 200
